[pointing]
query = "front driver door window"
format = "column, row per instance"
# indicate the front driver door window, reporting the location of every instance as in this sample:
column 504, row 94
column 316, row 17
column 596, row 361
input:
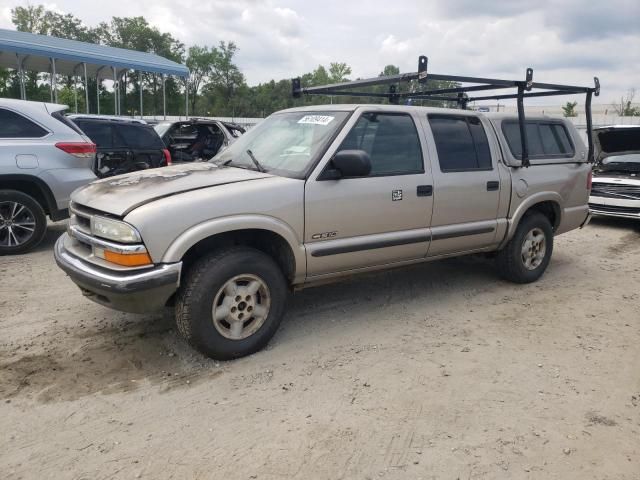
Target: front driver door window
column 381, row 218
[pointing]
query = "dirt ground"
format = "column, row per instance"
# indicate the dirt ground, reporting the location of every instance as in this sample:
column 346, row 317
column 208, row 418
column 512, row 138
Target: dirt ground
column 434, row 371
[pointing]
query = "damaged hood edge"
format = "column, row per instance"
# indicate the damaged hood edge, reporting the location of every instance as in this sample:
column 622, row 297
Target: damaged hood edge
column 121, row 194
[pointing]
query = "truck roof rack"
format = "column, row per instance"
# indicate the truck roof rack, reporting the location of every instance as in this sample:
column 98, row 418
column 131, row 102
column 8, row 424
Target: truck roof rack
column 459, row 95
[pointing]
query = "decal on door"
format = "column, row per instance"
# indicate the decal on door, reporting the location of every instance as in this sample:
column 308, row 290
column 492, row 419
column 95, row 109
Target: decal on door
column 322, row 236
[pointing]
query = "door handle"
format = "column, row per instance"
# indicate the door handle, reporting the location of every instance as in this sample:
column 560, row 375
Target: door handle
column 425, row 190
column 492, row 186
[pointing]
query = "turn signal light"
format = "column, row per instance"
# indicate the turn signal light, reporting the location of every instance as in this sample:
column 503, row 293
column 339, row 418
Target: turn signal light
column 127, row 259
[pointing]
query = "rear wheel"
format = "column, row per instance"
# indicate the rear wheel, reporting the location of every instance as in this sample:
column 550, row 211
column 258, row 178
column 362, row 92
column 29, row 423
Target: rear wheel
column 527, row 255
column 231, row 302
column 23, row 222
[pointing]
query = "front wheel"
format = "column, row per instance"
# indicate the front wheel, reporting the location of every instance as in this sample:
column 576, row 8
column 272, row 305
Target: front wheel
column 231, row 303
column 525, row 258
column 23, row 222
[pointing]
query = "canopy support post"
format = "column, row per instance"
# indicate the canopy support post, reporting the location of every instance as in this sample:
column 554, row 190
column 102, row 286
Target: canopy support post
column 164, row 98
column 98, row 88
column 115, row 91
column 86, row 88
column 75, row 89
column 186, row 97
column 23, row 93
column 140, row 91
column 53, row 83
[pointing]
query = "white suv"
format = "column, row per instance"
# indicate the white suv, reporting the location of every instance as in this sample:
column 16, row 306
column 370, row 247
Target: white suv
column 43, row 158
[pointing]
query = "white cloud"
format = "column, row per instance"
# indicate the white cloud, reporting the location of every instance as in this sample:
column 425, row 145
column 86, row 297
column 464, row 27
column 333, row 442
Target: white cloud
column 563, row 40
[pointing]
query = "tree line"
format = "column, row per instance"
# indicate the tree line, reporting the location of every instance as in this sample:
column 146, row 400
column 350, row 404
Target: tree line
column 216, row 85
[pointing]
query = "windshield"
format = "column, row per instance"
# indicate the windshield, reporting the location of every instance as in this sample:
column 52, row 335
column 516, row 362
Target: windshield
column 161, row 128
column 285, row 143
column 630, row 158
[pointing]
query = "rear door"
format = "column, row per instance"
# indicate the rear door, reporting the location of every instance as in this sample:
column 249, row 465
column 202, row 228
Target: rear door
column 383, row 218
column 467, row 184
column 112, row 153
column 144, row 146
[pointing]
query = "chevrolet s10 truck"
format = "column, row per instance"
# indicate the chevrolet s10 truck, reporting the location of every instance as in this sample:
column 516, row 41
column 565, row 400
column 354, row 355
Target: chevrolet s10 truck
column 318, row 193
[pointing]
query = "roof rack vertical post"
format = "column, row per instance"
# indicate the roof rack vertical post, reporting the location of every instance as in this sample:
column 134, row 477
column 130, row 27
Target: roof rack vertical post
column 522, row 86
column 523, row 132
column 587, row 111
column 423, row 63
column 394, row 98
column 296, row 89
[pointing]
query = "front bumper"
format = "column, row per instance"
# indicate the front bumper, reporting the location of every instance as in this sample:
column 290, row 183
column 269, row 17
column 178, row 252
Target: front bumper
column 136, row 291
column 608, row 208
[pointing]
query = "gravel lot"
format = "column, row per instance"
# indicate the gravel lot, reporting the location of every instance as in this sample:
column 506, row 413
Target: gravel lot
column 435, row 371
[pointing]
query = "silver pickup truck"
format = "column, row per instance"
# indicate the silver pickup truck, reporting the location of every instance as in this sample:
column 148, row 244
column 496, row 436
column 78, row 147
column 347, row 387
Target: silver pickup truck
column 318, row 193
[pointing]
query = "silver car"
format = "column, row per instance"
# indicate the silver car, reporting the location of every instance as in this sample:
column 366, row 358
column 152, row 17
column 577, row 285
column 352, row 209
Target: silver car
column 43, row 158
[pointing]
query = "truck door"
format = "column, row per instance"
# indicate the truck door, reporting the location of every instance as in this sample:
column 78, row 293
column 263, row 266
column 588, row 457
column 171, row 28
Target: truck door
column 466, row 184
column 379, row 219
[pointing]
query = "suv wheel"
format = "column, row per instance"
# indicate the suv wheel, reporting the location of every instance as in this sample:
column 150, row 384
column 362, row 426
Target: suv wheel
column 231, row 303
column 526, row 256
column 23, row 222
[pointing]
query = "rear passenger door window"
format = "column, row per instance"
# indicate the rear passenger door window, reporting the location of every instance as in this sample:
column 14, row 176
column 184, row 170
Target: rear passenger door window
column 14, row 125
column 140, row 137
column 100, row 133
column 391, row 140
column 545, row 139
column 461, row 143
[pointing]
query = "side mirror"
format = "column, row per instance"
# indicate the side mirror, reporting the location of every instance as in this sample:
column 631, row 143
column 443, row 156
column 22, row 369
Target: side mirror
column 348, row 163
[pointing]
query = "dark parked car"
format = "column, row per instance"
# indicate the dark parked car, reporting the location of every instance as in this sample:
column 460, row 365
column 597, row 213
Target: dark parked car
column 124, row 145
column 197, row 138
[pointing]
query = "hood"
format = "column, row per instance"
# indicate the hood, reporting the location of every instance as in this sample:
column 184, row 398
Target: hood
column 616, row 140
column 123, row 193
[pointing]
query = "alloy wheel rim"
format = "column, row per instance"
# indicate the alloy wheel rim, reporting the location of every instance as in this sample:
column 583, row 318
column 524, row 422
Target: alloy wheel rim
column 241, row 306
column 534, row 248
column 17, row 224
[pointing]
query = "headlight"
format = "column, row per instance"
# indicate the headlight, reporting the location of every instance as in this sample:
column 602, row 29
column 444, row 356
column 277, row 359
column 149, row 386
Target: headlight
column 114, row 230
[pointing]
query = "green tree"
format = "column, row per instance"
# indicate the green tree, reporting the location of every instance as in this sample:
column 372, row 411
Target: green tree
column 625, row 108
column 338, row 72
column 201, row 62
column 569, row 109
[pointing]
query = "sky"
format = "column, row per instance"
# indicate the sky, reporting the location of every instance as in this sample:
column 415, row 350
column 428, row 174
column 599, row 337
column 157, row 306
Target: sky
column 565, row 41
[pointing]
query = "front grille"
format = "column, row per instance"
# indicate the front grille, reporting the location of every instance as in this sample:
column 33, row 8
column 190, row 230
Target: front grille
column 615, row 190
column 614, row 209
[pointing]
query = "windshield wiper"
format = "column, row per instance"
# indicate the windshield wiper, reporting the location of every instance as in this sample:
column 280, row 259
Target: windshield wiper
column 255, row 161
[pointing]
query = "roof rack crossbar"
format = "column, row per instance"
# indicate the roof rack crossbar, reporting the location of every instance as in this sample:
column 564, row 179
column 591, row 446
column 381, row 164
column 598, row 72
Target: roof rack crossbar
column 523, row 90
column 526, row 95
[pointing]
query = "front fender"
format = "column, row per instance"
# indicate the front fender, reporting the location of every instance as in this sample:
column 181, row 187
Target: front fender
column 207, row 229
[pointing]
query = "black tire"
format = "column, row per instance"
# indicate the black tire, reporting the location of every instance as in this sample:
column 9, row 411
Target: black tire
column 15, row 234
column 203, row 284
column 510, row 262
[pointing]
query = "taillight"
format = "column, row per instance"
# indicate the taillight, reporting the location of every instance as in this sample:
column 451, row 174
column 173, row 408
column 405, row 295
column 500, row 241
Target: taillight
column 589, row 180
column 78, row 149
column 167, row 156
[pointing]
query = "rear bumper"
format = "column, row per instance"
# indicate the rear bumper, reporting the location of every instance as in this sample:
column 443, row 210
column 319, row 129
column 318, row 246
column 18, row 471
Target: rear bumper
column 136, row 291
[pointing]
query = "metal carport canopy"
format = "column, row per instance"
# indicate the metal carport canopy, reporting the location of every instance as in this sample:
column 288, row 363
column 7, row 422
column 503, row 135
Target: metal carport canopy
column 35, row 52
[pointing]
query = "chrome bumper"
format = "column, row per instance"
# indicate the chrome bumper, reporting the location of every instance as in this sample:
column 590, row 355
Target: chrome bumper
column 136, row 291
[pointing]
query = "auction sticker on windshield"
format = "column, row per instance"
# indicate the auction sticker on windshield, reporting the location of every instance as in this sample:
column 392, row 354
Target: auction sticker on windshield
column 316, row 119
